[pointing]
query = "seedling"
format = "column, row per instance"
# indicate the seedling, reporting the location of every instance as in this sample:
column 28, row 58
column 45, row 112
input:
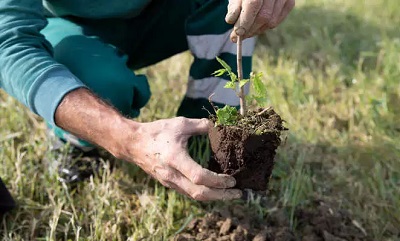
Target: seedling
column 228, row 115
column 244, row 144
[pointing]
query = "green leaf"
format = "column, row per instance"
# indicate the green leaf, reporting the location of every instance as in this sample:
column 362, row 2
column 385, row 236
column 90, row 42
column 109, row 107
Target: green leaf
column 261, row 100
column 227, row 68
column 227, row 115
column 233, row 76
column 224, row 64
column 243, row 82
column 219, row 72
column 259, row 86
column 249, row 98
column 230, row 85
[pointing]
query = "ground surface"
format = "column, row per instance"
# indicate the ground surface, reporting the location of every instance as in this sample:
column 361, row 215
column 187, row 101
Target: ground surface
column 317, row 221
column 334, row 69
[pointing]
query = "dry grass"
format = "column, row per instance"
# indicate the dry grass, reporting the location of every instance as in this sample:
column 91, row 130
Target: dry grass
column 333, row 73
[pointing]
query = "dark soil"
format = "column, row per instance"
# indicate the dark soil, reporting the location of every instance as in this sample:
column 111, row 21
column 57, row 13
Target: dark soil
column 318, row 221
column 247, row 150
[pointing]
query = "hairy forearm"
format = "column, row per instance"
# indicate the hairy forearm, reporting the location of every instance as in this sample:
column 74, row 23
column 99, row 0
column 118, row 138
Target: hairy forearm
column 84, row 114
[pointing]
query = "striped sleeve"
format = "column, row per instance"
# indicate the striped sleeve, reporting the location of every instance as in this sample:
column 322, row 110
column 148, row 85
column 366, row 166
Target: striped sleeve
column 208, row 37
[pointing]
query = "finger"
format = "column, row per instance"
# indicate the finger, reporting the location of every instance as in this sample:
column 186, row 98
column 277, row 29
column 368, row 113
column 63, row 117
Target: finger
column 289, row 5
column 203, row 193
column 167, row 179
column 196, row 126
column 263, row 17
column 277, row 13
column 198, row 175
column 234, row 8
column 247, row 16
column 262, row 29
column 233, row 37
column 175, row 187
column 254, row 30
column 173, row 179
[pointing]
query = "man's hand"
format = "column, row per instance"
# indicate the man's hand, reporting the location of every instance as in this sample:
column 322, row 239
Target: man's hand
column 253, row 17
column 160, row 148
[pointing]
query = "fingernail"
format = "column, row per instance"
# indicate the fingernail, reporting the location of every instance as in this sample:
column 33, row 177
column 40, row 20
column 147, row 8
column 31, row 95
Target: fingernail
column 238, row 194
column 240, row 31
column 234, row 39
column 231, row 182
column 228, row 18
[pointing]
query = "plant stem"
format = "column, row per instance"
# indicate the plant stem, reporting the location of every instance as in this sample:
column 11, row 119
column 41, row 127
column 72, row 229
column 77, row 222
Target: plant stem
column 240, row 75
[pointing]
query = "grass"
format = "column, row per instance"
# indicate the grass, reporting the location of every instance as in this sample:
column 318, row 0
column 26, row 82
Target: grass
column 332, row 71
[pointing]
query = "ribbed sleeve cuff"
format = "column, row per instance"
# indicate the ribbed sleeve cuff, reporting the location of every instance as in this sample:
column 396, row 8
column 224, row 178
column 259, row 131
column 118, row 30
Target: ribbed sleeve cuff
column 49, row 90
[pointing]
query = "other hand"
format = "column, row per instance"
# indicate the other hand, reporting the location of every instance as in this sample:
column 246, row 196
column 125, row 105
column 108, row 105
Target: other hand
column 160, row 149
column 253, row 17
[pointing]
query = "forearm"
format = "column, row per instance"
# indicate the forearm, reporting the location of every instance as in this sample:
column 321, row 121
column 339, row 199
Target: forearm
column 90, row 118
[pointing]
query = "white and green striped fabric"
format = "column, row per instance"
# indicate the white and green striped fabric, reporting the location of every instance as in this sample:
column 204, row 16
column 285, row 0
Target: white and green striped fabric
column 208, row 37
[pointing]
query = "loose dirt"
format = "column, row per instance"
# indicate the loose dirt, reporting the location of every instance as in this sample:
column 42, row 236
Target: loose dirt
column 247, row 150
column 318, row 221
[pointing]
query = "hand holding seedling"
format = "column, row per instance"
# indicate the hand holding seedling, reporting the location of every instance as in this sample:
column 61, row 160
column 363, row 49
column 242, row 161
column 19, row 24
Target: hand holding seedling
column 253, row 17
column 161, row 150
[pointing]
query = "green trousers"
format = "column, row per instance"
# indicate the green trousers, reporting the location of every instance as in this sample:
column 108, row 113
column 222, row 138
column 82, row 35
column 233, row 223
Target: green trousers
column 103, row 53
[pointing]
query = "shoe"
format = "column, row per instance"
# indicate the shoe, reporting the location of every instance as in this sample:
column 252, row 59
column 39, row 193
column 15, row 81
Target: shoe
column 73, row 164
column 77, row 166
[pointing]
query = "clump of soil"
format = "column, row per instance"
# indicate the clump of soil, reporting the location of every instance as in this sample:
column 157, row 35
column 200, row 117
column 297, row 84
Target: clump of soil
column 247, row 150
column 319, row 221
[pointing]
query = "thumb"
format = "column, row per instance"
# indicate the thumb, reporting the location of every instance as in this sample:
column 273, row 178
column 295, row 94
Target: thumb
column 234, row 8
column 197, row 126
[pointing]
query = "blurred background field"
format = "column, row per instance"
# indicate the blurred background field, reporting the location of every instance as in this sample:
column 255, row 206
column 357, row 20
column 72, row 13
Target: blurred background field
column 333, row 73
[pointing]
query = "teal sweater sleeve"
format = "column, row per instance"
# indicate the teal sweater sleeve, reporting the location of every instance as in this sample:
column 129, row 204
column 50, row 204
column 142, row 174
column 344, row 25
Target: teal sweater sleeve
column 27, row 70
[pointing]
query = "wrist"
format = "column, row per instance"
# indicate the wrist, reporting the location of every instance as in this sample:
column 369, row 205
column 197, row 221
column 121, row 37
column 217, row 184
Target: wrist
column 88, row 117
column 123, row 132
